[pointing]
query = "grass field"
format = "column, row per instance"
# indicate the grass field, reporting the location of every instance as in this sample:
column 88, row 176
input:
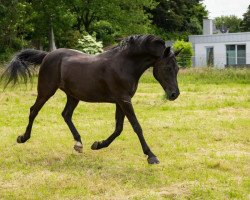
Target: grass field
column 202, row 140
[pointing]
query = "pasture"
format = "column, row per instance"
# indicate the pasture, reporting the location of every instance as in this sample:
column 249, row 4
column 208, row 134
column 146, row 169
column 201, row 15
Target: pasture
column 202, row 141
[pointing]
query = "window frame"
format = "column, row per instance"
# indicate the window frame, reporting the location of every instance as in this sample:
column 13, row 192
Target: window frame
column 236, row 53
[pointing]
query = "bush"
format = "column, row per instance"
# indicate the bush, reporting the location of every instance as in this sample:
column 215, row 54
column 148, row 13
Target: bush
column 104, row 32
column 185, row 57
column 89, row 45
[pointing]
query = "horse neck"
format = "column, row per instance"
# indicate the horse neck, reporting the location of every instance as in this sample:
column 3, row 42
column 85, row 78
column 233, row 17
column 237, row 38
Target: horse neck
column 135, row 63
column 140, row 63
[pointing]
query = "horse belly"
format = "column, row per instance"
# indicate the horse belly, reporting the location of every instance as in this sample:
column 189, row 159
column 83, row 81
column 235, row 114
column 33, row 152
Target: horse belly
column 86, row 89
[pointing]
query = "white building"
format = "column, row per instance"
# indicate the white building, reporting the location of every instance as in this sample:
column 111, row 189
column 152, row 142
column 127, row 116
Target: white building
column 222, row 49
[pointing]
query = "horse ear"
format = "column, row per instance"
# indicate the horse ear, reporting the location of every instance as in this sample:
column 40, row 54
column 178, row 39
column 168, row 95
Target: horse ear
column 178, row 52
column 167, row 51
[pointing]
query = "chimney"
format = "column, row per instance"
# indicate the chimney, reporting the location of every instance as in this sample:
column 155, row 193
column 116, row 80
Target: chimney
column 207, row 26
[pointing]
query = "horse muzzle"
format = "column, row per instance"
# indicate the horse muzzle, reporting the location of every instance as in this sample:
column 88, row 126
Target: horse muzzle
column 171, row 96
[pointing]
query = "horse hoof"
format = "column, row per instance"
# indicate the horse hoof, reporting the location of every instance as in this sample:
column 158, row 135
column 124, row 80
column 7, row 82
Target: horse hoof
column 95, row 145
column 153, row 160
column 20, row 139
column 78, row 148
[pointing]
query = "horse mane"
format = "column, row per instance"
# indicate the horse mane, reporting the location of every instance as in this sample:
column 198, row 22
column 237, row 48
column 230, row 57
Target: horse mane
column 136, row 43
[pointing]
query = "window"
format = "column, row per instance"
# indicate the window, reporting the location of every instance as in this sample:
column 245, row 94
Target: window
column 210, row 56
column 236, row 54
column 231, row 55
column 241, row 54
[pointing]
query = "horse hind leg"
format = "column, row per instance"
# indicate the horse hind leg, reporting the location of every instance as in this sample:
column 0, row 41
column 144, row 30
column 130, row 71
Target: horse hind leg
column 46, row 89
column 40, row 101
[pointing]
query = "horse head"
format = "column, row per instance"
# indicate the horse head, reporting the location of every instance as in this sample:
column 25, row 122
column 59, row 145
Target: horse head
column 165, row 72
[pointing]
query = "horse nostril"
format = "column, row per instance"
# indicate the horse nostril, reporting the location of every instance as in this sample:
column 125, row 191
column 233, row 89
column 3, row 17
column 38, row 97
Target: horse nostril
column 173, row 95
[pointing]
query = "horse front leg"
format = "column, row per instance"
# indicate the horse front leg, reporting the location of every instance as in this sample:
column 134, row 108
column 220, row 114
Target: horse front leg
column 67, row 115
column 119, row 117
column 128, row 110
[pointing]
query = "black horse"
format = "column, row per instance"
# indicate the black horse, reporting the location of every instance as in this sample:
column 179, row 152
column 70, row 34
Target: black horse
column 110, row 77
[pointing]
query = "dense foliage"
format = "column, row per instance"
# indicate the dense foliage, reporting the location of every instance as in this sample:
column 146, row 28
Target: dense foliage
column 48, row 24
column 176, row 19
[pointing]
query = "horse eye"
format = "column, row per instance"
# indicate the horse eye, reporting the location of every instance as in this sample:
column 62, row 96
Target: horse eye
column 169, row 69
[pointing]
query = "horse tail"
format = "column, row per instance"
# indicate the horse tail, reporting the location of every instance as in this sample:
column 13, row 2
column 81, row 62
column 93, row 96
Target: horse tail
column 20, row 66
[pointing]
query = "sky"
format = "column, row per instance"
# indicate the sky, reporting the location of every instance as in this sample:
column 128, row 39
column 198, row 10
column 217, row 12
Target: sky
column 217, row 8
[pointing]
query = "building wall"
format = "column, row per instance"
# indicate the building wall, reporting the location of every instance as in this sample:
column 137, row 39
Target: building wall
column 219, row 42
column 220, row 58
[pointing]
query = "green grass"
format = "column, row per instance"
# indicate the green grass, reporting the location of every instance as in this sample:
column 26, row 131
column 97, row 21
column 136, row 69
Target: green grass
column 202, row 140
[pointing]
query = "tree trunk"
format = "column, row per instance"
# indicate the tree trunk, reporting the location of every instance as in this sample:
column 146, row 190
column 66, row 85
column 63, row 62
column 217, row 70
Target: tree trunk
column 41, row 47
column 52, row 45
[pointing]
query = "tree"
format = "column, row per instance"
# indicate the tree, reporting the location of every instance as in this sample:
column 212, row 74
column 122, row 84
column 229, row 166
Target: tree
column 43, row 24
column 173, row 17
column 231, row 22
column 245, row 24
column 49, row 21
column 13, row 25
column 126, row 17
